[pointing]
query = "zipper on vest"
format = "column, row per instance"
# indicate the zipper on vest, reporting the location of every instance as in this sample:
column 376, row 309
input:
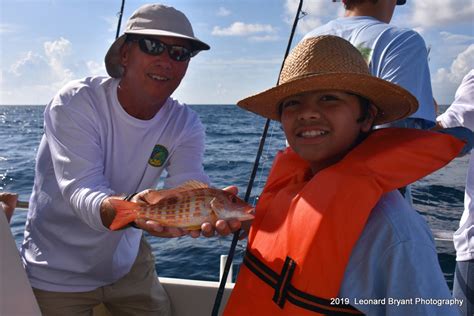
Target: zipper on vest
column 281, row 290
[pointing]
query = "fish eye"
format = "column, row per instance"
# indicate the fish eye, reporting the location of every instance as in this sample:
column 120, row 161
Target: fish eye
column 233, row 199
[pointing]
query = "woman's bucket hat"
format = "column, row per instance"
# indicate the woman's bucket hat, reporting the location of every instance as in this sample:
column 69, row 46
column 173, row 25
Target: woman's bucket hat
column 152, row 20
column 332, row 63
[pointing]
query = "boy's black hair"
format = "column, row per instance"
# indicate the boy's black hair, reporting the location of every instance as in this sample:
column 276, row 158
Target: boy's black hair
column 364, row 114
column 364, row 108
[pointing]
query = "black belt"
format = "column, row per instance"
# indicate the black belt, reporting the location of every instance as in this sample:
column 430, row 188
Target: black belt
column 284, row 291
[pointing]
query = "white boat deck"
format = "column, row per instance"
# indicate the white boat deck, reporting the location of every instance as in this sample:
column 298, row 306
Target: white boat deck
column 188, row 297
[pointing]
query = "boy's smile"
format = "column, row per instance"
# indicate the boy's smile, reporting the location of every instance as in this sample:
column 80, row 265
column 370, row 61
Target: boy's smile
column 312, row 133
column 322, row 126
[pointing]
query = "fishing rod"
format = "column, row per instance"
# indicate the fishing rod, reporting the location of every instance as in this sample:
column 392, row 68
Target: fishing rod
column 120, row 15
column 235, row 239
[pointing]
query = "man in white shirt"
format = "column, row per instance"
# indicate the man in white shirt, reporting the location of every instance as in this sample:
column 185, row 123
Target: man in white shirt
column 461, row 113
column 395, row 54
column 108, row 138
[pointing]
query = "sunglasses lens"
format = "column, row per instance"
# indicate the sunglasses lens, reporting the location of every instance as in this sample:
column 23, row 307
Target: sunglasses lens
column 151, row 47
column 179, row 53
column 156, row 47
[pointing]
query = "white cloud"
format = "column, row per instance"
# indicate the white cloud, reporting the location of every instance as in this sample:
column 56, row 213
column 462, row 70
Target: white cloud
column 242, row 29
column 458, row 38
column 223, row 12
column 56, row 53
column 95, row 69
column 29, row 62
column 36, row 76
column 442, row 12
column 446, row 80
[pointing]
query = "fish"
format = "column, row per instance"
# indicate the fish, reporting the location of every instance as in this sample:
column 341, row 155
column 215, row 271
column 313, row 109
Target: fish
column 186, row 206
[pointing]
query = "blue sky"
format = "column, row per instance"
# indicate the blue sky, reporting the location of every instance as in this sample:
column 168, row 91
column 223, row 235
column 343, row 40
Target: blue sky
column 46, row 43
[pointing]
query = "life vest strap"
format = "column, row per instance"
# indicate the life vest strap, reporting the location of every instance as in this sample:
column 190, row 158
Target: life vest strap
column 285, row 291
column 281, row 290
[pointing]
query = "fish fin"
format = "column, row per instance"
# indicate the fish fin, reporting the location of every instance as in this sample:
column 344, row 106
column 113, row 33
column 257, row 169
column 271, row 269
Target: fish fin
column 167, row 193
column 125, row 213
column 191, row 184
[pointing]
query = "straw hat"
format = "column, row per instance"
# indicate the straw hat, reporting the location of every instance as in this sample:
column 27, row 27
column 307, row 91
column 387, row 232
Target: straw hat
column 153, row 20
column 332, row 63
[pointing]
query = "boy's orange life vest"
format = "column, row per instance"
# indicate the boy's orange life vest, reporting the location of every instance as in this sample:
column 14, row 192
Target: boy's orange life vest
column 305, row 228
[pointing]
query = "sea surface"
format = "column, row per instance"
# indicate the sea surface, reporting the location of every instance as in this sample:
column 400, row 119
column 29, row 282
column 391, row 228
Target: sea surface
column 232, row 141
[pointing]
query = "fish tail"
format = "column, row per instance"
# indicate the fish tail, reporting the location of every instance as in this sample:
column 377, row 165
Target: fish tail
column 125, row 213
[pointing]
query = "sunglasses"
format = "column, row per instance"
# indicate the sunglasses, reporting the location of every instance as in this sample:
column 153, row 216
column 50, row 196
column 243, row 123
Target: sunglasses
column 399, row 2
column 156, row 47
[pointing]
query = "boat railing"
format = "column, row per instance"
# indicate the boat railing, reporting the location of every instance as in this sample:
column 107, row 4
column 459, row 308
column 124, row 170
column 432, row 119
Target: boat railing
column 439, row 235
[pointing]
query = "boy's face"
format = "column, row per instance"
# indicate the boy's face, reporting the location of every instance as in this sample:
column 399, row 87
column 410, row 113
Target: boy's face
column 322, row 126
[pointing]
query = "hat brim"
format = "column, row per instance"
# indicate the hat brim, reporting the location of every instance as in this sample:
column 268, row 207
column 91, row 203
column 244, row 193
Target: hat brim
column 112, row 58
column 393, row 102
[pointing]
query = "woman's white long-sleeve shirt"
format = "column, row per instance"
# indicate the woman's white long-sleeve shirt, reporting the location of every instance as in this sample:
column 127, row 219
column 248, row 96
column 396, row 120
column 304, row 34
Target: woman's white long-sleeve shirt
column 91, row 149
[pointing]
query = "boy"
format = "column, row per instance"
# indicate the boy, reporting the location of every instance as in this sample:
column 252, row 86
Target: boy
column 331, row 233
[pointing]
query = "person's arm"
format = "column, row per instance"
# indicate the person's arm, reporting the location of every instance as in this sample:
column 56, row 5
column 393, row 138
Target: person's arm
column 72, row 130
column 396, row 279
column 405, row 62
column 459, row 117
column 461, row 111
column 411, row 271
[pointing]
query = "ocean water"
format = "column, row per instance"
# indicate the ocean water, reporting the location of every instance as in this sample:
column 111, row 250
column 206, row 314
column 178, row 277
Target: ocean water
column 232, row 140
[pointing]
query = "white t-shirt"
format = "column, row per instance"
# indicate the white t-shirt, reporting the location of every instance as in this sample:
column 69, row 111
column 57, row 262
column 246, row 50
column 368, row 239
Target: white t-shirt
column 92, row 149
column 395, row 258
column 461, row 113
column 394, row 54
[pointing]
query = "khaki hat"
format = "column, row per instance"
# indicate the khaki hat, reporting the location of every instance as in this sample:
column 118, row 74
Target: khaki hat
column 332, row 63
column 153, row 20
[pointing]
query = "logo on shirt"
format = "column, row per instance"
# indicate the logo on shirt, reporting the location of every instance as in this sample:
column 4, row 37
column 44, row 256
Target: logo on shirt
column 158, row 156
column 366, row 52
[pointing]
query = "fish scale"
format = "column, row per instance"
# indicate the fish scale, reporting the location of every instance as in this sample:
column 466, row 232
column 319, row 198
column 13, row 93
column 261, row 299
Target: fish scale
column 184, row 207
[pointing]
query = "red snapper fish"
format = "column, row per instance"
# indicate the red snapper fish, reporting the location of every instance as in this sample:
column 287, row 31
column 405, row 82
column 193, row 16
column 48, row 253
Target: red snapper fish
column 186, row 206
